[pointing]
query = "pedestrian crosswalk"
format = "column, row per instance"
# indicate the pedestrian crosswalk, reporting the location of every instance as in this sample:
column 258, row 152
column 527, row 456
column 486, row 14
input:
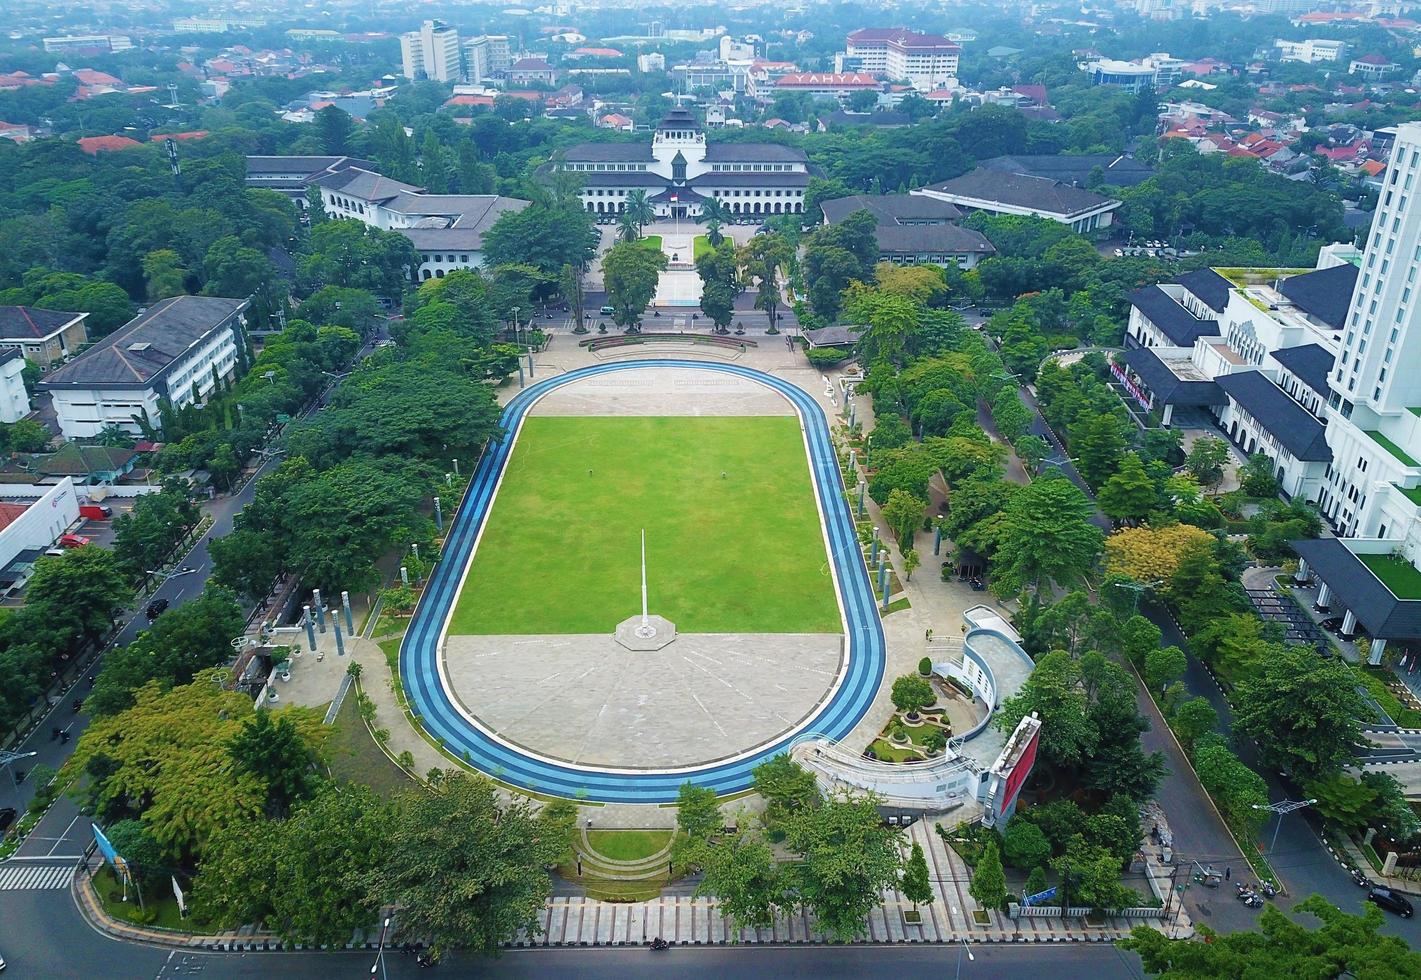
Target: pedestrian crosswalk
column 14, row 878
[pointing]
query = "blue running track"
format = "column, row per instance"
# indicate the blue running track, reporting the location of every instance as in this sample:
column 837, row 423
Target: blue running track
column 419, row 655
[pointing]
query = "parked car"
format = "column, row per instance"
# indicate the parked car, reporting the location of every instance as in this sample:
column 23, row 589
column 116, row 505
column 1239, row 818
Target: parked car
column 607, row 311
column 74, row 540
column 96, row 512
column 1391, row 901
column 156, row 608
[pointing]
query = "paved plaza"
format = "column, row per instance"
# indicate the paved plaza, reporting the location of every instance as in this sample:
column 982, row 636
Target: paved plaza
column 663, row 391
column 588, row 700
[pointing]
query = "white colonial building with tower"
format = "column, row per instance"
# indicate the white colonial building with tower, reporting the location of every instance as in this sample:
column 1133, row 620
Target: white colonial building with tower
column 680, row 169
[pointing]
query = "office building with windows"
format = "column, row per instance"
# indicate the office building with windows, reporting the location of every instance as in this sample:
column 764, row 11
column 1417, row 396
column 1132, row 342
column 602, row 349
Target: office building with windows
column 431, row 52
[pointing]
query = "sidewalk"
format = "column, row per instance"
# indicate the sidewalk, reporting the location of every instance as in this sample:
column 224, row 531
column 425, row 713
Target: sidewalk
column 579, row 921
column 1352, row 854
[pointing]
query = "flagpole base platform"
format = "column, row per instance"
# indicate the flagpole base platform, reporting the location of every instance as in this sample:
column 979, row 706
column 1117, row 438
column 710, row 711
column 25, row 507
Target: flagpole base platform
column 650, row 633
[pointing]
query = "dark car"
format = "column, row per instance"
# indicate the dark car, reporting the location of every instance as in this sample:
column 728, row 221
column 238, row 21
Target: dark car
column 7, row 817
column 156, row 608
column 1391, row 901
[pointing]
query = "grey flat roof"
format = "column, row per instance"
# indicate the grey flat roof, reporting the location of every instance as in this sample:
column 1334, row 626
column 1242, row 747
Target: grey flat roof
column 931, row 238
column 1295, row 428
column 477, row 214
column 1357, row 588
column 139, row 352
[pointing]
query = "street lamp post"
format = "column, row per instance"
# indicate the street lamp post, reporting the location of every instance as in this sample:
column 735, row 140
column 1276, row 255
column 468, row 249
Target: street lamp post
column 964, row 948
column 515, row 325
column 9, row 759
column 1282, row 807
column 380, row 950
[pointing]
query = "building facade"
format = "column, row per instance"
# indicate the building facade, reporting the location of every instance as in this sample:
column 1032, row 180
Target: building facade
column 176, row 351
column 998, row 192
column 679, row 169
column 914, row 230
column 486, row 57
column 446, row 229
column 14, row 400
column 1313, row 51
column 46, row 337
column 431, row 52
column 925, row 61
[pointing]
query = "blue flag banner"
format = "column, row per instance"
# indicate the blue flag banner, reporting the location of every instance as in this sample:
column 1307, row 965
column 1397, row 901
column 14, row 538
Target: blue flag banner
column 119, row 865
column 1039, row 897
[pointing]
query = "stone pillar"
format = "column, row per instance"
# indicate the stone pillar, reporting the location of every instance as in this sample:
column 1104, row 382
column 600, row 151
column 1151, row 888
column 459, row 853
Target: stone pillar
column 862, row 488
column 349, row 619
column 873, row 556
column 1168, row 414
column 1378, row 648
column 937, row 540
column 438, row 515
column 1389, row 865
column 404, row 576
column 320, row 612
column 1324, row 596
column 883, row 584
column 310, row 625
column 340, row 643
column 1301, row 575
column 1349, row 623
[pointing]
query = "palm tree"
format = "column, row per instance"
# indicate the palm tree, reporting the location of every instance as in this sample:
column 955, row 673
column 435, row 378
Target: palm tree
column 713, row 214
column 639, row 207
column 628, row 228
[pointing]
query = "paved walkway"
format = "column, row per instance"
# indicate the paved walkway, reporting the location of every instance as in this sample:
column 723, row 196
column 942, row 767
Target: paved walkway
column 578, row 921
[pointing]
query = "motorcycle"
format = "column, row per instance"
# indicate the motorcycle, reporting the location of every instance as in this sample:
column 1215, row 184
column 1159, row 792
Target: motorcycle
column 1359, row 878
column 659, row 944
column 1267, row 889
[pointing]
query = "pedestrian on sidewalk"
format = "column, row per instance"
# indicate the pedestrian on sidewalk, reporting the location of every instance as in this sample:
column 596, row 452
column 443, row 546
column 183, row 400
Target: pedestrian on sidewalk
column 1227, row 873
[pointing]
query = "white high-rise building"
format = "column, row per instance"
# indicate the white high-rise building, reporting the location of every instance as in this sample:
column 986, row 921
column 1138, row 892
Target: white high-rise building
column 431, row 52
column 926, row 61
column 486, row 57
column 1380, row 365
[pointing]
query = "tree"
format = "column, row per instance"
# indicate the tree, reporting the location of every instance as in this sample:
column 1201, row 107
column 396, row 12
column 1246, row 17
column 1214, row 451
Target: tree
column 1192, row 719
column 1025, row 846
column 1343, row 945
column 1054, row 692
column 1236, row 789
column 911, row 561
column 1304, row 712
column 888, row 321
column 1035, row 882
column 912, row 693
column 77, row 594
column 165, row 762
column 1343, row 800
column 698, row 818
column 847, row 857
column 640, row 209
column 1046, row 536
column 275, row 752
column 916, row 884
column 306, row 876
column 628, row 228
column 1090, row 875
column 714, row 213
column 1206, row 460
column 1146, row 554
column 466, row 871
column 745, row 878
column 546, row 236
column 193, row 637
column 236, row 270
column 141, row 853
column 903, row 513
column 1130, row 494
column 630, row 274
column 786, row 786
column 1257, row 478
column 1137, row 637
column 164, row 273
column 335, row 127
column 760, row 260
column 246, row 562
column 1031, row 450
column 989, row 881
column 1010, row 415
column 1164, row 666
column 144, row 538
column 1098, row 441
column 720, row 283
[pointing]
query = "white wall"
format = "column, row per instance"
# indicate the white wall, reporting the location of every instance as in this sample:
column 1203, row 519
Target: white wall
column 40, row 525
column 14, row 401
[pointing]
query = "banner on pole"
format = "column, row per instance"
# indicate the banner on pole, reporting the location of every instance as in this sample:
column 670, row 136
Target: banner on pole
column 178, row 894
column 106, row 848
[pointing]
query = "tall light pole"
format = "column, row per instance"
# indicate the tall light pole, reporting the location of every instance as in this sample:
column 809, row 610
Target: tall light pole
column 8, row 758
column 1282, row 807
column 515, row 324
column 1137, row 588
column 380, row 950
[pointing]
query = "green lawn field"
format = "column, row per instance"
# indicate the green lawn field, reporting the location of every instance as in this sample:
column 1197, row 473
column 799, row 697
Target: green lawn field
column 742, row 553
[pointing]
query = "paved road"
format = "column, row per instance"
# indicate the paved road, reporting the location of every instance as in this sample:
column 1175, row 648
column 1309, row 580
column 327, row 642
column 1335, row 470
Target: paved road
column 1300, row 857
column 44, row 936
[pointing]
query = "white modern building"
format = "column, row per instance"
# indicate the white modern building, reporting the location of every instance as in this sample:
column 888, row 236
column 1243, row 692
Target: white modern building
column 1158, row 70
column 1313, row 51
column 1320, row 371
column 14, row 401
column 486, row 57
column 431, row 52
column 446, row 229
column 30, row 524
column 175, row 351
column 679, row 169
column 926, row 61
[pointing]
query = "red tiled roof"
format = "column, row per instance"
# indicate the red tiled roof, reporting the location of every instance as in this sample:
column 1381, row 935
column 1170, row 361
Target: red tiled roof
column 94, row 145
column 10, row 513
column 88, row 76
column 195, row 134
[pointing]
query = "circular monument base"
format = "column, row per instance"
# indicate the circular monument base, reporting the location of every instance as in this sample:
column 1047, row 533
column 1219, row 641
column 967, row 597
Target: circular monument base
column 655, row 634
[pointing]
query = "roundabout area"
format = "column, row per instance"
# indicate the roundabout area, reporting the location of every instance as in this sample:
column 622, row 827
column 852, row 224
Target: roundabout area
column 756, row 614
